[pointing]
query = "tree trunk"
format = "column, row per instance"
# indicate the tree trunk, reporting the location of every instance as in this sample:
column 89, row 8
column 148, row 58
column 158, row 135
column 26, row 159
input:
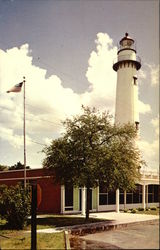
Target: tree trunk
column 88, row 203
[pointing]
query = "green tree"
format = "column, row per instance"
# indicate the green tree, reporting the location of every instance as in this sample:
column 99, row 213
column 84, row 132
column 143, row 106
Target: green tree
column 17, row 166
column 3, row 167
column 15, row 205
column 93, row 150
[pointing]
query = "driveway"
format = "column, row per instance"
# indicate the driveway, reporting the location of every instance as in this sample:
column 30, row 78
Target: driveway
column 144, row 236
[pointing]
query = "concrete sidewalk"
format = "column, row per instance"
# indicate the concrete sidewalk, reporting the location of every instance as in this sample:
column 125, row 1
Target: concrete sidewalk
column 122, row 217
column 113, row 220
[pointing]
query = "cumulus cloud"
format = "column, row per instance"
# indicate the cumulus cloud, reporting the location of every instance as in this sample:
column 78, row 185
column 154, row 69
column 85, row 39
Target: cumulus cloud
column 100, row 74
column 155, row 123
column 144, row 108
column 154, row 74
column 48, row 102
column 150, row 153
column 150, row 150
column 15, row 140
column 46, row 99
column 141, row 75
column 98, row 58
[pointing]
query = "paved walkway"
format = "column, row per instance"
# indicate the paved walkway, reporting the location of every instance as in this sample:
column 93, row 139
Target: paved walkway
column 124, row 217
column 113, row 217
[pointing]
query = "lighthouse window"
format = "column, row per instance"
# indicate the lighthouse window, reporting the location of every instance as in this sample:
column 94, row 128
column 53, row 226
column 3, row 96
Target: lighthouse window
column 135, row 80
column 137, row 125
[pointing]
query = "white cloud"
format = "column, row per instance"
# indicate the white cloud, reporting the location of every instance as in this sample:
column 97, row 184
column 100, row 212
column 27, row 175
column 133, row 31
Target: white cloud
column 141, row 75
column 144, row 108
column 155, row 123
column 150, row 150
column 14, row 139
column 47, row 141
column 47, row 101
column 100, row 74
column 154, row 74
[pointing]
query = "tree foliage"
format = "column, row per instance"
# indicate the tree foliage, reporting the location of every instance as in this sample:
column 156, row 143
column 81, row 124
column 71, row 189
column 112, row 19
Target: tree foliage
column 3, row 167
column 17, row 166
column 94, row 149
column 15, row 205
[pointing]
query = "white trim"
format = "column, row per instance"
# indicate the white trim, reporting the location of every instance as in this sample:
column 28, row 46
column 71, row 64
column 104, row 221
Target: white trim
column 83, row 201
column 144, row 196
column 106, row 207
column 22, row 169
column 117, row 200
column 62, row 199
column 98, row 198
column 128, row 206
column 28, row 178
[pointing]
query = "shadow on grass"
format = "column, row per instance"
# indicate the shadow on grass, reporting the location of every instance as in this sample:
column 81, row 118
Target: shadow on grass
column 63, row 221
column 54, row 221
column 4, row 226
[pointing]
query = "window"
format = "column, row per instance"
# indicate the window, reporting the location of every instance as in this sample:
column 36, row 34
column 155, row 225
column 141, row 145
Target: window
column 103, row 199
column 150, row 193
column 68, row 198
column 129, row 198
column 136, row 194
column 103, row 195
column 121, row 196
column 111, row 198
column 134, row 80
column 156, row 193
column 153, row 193
column 137, row 125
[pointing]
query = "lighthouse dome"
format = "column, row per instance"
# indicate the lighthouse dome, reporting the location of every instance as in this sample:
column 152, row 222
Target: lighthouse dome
column 126, row 41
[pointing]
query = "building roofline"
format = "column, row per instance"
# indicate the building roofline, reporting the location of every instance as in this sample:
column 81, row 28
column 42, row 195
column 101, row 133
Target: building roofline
column 18, row 170
column 27, row 178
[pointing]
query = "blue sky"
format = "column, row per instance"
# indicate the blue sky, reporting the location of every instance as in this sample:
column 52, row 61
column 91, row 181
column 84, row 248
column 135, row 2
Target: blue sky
column 64, row 47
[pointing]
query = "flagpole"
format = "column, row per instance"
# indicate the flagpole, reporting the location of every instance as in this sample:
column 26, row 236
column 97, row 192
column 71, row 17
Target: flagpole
column 24, row 131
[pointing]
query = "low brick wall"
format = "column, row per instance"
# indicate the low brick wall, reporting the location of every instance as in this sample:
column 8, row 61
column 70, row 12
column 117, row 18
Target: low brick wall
column 102, row 226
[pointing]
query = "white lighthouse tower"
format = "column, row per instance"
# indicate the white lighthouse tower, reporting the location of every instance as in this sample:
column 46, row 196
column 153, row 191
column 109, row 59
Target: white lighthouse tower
column 126, row 65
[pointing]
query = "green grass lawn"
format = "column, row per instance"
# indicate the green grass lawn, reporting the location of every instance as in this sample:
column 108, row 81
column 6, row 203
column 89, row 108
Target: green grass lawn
column 21, row 240
column 62, row 220
column 13, row 239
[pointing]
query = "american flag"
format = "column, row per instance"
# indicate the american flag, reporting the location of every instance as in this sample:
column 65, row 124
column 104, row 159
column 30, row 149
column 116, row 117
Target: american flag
column 16, row 88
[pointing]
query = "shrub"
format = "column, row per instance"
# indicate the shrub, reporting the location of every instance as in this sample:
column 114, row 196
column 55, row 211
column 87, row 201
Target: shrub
column 153, row 208
column 125, row 210
column 140, row 209
column 147, row 209
column 133, row 211
column 15, row 205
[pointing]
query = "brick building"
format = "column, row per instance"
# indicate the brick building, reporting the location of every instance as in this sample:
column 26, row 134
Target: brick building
column 58, row 199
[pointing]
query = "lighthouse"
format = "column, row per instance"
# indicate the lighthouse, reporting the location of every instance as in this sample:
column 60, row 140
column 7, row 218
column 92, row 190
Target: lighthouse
column 126, row 65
